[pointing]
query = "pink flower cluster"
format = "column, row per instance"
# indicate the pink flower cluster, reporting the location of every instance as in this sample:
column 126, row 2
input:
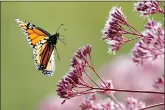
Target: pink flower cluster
column 139, row 77
column 147, row 7
column 136, row 78
column 74, row 78
column 92, row 103
column 151, row 45
column 113, row 31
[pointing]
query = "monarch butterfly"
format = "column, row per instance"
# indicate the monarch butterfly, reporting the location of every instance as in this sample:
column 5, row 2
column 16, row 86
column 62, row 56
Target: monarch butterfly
column 43, row 44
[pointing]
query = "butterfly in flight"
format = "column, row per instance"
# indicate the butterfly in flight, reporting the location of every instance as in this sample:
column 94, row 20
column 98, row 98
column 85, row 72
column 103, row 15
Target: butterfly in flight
column 43, row 44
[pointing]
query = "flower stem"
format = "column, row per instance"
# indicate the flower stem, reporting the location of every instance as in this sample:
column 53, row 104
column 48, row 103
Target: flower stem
column 92, row 67
column 97, row 75
column 92, row 80
column 134, row 29
column 151, row 106
column 126, row 90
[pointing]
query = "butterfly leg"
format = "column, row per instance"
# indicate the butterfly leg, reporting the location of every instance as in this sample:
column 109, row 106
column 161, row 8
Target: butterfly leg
column 57, row 53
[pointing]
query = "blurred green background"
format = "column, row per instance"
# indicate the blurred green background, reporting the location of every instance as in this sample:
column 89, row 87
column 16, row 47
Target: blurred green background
column 23, row 87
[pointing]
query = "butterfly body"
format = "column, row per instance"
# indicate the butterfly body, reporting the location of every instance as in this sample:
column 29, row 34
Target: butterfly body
column 43, row 45
column 53, row 39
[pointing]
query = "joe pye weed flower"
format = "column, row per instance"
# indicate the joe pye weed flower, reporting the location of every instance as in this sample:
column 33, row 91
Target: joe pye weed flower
column 146, row 63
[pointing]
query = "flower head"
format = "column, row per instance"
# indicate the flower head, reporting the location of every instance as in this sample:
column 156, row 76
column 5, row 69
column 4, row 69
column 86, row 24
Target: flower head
column 113, row 31
column 117, row 15
column 151, row 44
column 146, row 7
column 92, row 103
column 88, row 103
column 133, row 104
column 130, row 103
column 73, row 78
column 83, row 52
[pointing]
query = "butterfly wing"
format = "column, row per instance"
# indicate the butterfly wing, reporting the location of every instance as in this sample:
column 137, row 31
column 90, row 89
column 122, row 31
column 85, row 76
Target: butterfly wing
column 34, row 34
column 44, row 58
column 50, row 68
column 43, row 53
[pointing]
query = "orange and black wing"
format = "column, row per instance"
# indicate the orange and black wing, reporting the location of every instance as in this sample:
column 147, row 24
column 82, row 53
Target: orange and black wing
column 43, row 52
column 34, row 34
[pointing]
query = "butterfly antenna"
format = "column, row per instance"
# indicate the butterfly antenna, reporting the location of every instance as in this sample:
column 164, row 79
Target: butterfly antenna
column 57, row 53
column 62, row 41
column 59, row 27
column 63, row 36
